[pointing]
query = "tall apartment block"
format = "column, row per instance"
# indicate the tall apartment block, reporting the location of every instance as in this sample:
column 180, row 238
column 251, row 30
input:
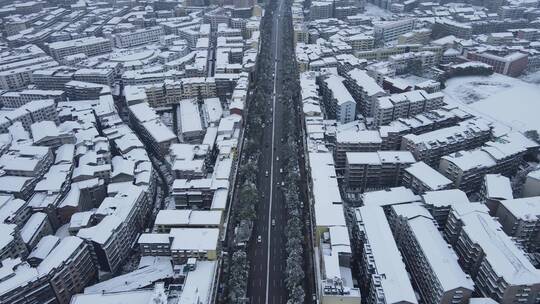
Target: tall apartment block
column 433, row 266
column 384, row 278
column 364, row 90
column 339, row 102
column 499, row 268
column 520, row 219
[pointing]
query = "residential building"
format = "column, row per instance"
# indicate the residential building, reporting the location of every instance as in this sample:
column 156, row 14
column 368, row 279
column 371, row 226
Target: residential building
column 383, row 276
column 499, row 268
column 375, row 170
column 422, row 178
column 432, row 264
column 90, row 46
column 431, row 146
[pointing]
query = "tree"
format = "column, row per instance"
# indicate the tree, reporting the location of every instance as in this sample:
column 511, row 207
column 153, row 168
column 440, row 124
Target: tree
column 238, row 277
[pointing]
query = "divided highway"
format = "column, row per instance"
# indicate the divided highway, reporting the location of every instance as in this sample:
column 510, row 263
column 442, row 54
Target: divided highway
column 266, row 253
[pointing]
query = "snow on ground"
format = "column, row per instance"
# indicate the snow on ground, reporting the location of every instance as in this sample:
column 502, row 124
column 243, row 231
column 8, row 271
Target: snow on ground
column 532, row 77
column 412, row 80
column 510, row 101
column 374, row 11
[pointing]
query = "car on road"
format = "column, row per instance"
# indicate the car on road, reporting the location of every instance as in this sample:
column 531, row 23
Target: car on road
column 277, row 157
column 280, row 170
column 259, row 239
column 266, row 173
column 273, row 222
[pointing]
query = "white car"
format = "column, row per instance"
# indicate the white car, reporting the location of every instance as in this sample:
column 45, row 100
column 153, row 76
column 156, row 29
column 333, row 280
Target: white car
column 273, row 222
column 259, row 239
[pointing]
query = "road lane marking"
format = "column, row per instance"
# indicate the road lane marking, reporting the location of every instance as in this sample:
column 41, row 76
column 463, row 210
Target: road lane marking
column 272, row 159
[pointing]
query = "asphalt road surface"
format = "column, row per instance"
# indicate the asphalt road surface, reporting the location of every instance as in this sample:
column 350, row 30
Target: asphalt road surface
column 268, row 257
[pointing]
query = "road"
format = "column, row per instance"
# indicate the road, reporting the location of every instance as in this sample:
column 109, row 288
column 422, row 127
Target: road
column 267, row 257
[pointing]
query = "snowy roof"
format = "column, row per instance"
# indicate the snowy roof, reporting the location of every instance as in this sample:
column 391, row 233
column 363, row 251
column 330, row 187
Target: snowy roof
column 31, row 226
column 498, row 187
column 391, row 196
column 526, row 209
column 130, row 297
column 60, row 254
column 198, row 284
column 368, row 84
column 445, row 198
column 339, row 91
column 188, row 217
column 327, row 198
column 190, row 118
column 394, row 279
column 160, row 269
column 380, row 158
column 44, row 247
column 442, row 260
column 202, row 239
column 428, row 176
column 506, row 259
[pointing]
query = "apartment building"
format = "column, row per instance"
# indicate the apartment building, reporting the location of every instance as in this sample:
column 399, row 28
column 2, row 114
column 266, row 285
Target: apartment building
column 413, row 61
column 53, row 78
column 383, row 276
column 28, row 161
column 391, row 30
column 321, row 10
column 119, row 220
column 182, row 244
column 431, row 146
column 339, row 103
column 444, row 27
column 90, row 46
column 69, row 267
column 138, row 37
column 375, row 170
column 467, row 169
column 100, row 76
column 361, row 42
column 156, row 136
column 13, row 246
column 22, row 284
column 197, row 193
column 404, row 105
column 17, row 65
column 513, row 64
column 432, row 264
column 520, row 219
column 364, row 90
column 187, row 218
column 354, row 140
column 421, row 178
column 499, row 268
column 65, row 271
column 420, row 36
column 439, row 203
column 16, row 99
